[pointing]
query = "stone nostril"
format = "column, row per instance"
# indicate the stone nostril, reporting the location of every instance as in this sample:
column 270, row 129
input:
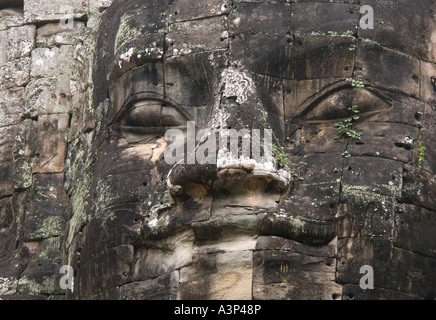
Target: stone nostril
column 176, row 190
column 195, row 191
column 191, row 180
column 240, row 181
column 274, row 187
column 251, row 185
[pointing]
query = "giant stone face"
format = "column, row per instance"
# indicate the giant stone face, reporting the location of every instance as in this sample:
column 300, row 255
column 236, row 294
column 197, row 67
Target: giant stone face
column 350, row 182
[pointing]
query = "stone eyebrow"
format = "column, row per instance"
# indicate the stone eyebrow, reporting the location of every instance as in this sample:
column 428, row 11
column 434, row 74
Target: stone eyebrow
column 133, row 58
column 312, row 101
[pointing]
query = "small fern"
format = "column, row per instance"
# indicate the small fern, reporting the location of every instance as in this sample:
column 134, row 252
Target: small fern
column 345, row 128
column 421, row 151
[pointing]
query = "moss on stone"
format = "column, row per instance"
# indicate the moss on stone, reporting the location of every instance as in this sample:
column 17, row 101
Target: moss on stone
column 50, row 227
column 31, row 286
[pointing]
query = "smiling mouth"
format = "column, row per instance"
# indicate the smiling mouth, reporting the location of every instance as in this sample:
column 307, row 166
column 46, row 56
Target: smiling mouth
column 313, row 232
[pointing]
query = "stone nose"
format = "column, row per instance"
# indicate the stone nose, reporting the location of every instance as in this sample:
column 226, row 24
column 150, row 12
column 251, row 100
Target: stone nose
column 228, row 152
column 228, row 174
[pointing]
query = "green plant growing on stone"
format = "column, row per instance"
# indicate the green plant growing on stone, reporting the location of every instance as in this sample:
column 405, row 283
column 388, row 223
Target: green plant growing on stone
column 283, row 160
column 421, row 152
column 352, row 47
column 345, row 128
column 356, row 83
column 280, row 154
column 346, row 154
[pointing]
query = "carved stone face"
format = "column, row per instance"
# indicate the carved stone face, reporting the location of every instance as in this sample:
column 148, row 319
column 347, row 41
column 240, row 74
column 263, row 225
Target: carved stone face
column 239, row 229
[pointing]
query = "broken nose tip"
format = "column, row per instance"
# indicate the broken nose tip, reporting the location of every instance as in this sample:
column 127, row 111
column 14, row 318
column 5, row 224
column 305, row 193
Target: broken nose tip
column 240, row 180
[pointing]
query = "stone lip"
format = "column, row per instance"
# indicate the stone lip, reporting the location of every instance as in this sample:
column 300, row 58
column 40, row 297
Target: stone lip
column 314, row 232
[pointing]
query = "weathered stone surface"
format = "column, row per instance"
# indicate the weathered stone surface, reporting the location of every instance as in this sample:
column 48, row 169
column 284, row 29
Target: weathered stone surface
column 388, row 68
column 114, row 265
column 315, row 193
column 263, row 54
column 363, row 216
column 276, row 18
column 290, row 275
column 162, row 257
column 161, row 288
column 49, row 95
column 191, row 81
column 360, row 177
column 337, row 18
column 414, row 229
column 7, row 227
column 282, row 244
column 428, row 81
column 7, row 141
column 11, row 18
column 23, row 173
column 422, row 152
column 355, row 292
column 17, row 42
column 419, row 187
column 185, row 10
column 36, row 10
column 46, row 61
column 120, row 227
column 192, row 36
column 54, row 34
column 25, row 139
column 12, row 266
column 314, row 56
column 12, row 108
column 147, row 78
column 42, row 275
column 11, row 3
column 7, row 186
column 217, row 276
column 100, row 4
column 15, row 73
column 412, row 33
column 45, row 208
column 394, row 269
column 51, row 148
column 392, row 141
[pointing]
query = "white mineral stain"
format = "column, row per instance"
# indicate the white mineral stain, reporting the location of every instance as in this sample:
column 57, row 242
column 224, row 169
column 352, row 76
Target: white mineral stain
column 125, row 57
column 237, row 84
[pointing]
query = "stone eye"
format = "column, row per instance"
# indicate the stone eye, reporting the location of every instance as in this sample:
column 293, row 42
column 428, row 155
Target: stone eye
column 335, row 106
column 144, row 121
column 330, row 108
column 152, row 113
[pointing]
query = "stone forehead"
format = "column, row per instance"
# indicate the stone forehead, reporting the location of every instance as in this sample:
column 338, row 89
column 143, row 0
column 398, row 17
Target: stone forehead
column 265, row 34
column 397, row 24
column 181, row 27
